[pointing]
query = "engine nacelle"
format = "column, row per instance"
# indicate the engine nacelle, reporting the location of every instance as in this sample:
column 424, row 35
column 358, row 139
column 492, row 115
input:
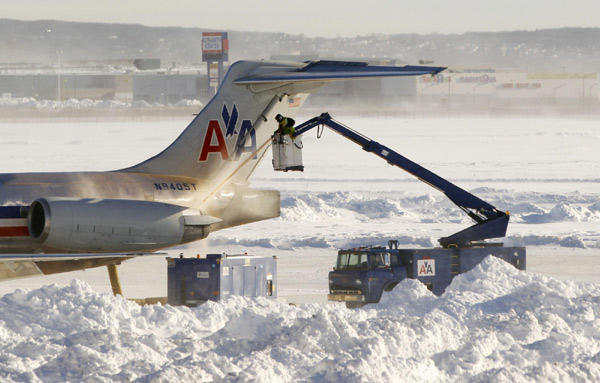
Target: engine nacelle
column 111, row 225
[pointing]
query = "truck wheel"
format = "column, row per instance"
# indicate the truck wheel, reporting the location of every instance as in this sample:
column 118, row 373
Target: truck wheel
column 354, row 305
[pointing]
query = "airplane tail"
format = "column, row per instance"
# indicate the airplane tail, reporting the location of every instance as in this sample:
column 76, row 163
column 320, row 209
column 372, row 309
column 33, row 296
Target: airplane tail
column 230, row 136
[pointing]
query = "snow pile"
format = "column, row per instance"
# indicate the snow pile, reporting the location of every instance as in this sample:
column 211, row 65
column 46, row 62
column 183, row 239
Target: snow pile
column 306, row 208
column 420, row 219
column 187, row 103
column 571, row 241
column 220, row 241
column 141, row 104
column 565, row 212
column 25, row 102
column 370, row 207
column 295, row 240
column 493, row 324
column 323, row 206
column 524, row 208
column 427, row 209
column 416, row 219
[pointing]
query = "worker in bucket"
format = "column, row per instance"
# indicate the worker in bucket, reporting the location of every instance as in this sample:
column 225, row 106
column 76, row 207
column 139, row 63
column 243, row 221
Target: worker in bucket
column 286, row 125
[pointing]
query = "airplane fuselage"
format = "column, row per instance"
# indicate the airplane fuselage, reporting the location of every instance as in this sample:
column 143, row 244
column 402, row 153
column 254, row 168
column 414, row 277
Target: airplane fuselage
column 18, row 191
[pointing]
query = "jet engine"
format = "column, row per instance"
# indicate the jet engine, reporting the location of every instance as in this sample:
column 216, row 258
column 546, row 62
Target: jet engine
column 112, row 225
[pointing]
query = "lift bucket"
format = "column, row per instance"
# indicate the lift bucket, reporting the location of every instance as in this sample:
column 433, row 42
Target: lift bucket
column 287, row 153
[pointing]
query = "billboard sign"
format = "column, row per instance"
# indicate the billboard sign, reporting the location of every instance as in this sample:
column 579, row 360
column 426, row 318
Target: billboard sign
column 215, row 46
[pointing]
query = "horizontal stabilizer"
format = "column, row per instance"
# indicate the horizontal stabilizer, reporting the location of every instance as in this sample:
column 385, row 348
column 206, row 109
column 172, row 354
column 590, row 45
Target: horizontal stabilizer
column 323, row 70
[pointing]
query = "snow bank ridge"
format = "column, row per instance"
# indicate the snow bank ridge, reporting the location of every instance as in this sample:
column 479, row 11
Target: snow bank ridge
column 426, row 208
column 493, row 324
column 322, row 242
column 324, row 206
column 565, row 211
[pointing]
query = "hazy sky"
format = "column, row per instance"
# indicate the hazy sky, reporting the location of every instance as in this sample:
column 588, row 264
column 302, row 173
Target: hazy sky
column 320, row 18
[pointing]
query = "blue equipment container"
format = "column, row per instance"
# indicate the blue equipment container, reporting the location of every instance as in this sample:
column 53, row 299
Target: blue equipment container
column 192, row 281
column 437, row 267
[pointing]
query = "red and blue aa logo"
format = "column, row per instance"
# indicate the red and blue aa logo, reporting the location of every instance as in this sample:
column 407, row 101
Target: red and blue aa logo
column 215, row 142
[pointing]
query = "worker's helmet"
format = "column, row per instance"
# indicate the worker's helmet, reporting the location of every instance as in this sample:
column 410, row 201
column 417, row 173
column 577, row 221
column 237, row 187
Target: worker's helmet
column 278, row 118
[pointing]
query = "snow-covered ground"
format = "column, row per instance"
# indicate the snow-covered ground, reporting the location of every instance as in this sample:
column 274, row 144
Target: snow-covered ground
column 493, row 324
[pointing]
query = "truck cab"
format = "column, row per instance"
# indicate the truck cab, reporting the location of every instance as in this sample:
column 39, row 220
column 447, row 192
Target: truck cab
column 361, row 275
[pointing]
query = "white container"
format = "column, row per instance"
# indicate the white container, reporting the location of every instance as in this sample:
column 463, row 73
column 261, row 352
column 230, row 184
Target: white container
column 287, row 153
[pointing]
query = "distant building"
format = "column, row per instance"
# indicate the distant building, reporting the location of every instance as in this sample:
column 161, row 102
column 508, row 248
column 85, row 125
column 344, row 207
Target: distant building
column 72, row 85
column 169, row 88
column 492, row 88
column 154, row 87
column 479, row 88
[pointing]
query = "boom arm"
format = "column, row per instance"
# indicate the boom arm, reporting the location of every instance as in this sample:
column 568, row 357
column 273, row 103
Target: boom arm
column 489, row 221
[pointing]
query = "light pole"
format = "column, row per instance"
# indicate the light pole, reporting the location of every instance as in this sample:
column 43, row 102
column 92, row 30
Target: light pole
column 169, row 87
column 422, row 91
column 590, row 92
column 58, row 53
column 554, row 92
column 449, row 78
column 473, row 93
column 585, row 75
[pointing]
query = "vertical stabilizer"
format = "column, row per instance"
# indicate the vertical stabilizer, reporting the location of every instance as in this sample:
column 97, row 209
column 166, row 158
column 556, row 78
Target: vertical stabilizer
column 230, row 135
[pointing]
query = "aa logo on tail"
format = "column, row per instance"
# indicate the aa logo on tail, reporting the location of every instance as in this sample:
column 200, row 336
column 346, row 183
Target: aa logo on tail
column 216, row 142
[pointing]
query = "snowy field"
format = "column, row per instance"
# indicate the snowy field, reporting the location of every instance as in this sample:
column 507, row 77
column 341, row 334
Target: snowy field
column 493, row 324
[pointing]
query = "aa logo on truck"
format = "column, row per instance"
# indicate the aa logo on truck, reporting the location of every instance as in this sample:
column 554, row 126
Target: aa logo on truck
column 426, row 267
column 214, row 140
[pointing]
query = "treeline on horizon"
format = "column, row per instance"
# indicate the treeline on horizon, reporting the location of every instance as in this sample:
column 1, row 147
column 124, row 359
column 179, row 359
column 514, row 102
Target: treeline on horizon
column 558, row 50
